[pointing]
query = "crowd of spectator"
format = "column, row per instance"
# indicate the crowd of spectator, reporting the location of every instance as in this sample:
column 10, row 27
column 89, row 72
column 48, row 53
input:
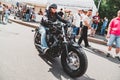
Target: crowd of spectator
column 27, row 13
column 23, row 12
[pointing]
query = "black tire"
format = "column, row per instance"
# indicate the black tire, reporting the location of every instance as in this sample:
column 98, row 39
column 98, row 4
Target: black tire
column 37, row 40
column 83, row 63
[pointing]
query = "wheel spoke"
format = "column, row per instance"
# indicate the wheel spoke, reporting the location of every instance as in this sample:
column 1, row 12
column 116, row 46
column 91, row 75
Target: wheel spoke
column 73, row 61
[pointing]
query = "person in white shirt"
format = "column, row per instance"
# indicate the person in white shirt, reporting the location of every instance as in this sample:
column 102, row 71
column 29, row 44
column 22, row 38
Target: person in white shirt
column 86, row 26
column 81, row 14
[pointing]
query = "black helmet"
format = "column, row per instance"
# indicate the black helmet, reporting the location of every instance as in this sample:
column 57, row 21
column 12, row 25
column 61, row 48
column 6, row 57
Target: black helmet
column 53, row 6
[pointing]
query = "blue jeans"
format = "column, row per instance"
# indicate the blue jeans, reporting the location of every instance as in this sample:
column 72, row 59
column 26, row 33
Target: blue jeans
column 94, row 26
column 42, row 31
column 6, row 18
column 103, row 30
column 75, row 30
column 27, row 17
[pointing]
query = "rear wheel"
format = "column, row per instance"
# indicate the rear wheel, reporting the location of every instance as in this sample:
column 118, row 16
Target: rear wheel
column 75, row 64
column 37, row 41
column 36, row 38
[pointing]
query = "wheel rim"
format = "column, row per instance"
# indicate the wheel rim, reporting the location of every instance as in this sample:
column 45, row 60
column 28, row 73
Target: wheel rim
column 37, row 38
column 73, row 61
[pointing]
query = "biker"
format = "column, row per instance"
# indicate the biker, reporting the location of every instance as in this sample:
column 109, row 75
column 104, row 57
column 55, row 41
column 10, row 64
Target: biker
column 50, row 16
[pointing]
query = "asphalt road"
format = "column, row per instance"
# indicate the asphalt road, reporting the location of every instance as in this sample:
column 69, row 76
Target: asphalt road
column 19, row 60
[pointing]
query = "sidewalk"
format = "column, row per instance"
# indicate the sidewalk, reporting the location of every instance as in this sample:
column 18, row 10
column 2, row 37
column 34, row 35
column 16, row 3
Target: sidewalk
column 96, row 39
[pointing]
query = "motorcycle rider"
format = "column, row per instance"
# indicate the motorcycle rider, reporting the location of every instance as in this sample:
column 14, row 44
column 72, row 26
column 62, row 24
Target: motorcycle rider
column 50, row 16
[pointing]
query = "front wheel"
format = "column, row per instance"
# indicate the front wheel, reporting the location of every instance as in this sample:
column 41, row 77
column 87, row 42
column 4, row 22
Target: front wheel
column 75, row 64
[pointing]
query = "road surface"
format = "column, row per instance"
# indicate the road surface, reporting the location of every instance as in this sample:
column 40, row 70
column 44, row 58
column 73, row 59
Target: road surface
column 19, row 60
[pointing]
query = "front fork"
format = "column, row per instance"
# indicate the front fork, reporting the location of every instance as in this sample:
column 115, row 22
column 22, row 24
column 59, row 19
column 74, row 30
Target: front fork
column 65, row 42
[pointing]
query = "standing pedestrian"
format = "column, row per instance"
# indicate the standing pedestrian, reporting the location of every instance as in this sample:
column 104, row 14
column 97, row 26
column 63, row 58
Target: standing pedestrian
column 104, row 25
column 40, row 12
column 96, row 20
column 114, row 36
column 6, row 14
column 61, row 12
column 28, row 14
column 86, row 26
column 1, row 11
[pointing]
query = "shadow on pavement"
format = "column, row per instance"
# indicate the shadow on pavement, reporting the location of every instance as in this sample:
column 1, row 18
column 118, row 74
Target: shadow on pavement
column 101, row 54
column 85, row 77
column 57, row 70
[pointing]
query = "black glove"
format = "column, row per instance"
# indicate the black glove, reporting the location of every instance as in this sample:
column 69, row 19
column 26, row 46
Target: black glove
column 68, row 24
column 49, row 22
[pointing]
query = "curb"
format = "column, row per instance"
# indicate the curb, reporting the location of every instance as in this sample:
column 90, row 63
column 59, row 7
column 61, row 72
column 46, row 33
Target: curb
column 23, row 23
column 34, row 26
column 97, row 41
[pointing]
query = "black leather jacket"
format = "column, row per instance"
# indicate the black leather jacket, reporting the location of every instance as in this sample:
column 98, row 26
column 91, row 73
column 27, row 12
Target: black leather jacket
column 47, row 18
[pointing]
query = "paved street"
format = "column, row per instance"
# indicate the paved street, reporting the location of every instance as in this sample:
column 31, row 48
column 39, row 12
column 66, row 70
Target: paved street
column 19, row 59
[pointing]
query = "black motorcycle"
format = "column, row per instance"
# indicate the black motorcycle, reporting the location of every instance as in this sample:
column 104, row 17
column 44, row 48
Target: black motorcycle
column 61, row 43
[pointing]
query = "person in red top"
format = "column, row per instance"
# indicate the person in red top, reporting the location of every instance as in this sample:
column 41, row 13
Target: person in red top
column 114, row 35
column 96, row 20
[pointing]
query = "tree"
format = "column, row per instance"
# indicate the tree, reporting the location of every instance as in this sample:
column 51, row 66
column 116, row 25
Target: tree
column 108, row 8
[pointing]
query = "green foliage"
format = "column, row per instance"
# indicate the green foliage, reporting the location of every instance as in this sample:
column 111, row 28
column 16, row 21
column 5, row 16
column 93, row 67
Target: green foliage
column 96, row 2
column 108, row 8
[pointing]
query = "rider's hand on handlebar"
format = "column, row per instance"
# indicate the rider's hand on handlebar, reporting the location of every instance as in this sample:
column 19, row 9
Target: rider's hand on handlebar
column 68, row 24
column 49, row 22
